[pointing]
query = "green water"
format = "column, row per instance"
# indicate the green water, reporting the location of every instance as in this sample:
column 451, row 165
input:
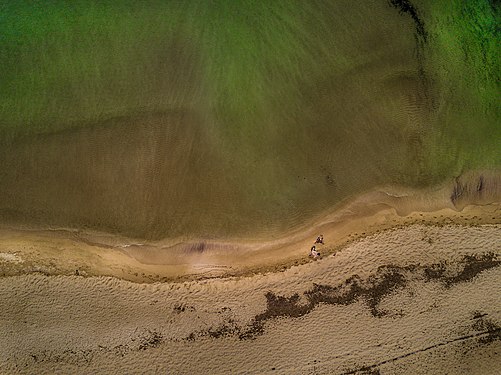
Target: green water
column 222, row 118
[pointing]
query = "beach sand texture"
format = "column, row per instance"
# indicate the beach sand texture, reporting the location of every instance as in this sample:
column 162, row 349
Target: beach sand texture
column 420, row 300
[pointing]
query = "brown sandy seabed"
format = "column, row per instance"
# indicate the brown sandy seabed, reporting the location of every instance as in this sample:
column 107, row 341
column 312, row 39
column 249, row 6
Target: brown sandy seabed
column 408, row 283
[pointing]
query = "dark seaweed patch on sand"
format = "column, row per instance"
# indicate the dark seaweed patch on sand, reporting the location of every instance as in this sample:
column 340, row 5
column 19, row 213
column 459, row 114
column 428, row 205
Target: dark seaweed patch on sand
column 372, row 291
column 151, row 340
column 228, row 328
column 472, row 266
column 387, row 280
column 488, row 326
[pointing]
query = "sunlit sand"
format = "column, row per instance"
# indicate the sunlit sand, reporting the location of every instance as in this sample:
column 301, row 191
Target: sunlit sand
column 393, row 292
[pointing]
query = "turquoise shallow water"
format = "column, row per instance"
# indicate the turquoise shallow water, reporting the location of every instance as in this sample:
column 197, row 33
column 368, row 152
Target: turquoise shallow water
column 225, row 118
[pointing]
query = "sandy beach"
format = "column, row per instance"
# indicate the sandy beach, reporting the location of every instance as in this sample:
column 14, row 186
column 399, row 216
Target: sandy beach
column 420, row 299
column 397, row 291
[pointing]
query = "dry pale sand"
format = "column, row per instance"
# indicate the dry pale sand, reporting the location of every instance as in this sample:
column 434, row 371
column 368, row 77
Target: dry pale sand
column 408, row 284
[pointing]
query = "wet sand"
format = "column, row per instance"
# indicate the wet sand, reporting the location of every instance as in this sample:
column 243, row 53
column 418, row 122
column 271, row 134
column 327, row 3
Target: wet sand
column 60, row 251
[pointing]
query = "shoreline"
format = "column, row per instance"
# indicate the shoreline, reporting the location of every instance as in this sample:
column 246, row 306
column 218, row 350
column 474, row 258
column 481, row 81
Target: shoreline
column 72, row 252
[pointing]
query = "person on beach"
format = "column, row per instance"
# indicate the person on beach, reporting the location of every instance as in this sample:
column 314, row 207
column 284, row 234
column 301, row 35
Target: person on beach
column 314, row 253
column 320, row 239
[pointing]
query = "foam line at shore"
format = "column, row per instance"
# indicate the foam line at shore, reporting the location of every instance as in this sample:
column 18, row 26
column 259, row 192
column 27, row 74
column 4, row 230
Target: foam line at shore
column 69, row 252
